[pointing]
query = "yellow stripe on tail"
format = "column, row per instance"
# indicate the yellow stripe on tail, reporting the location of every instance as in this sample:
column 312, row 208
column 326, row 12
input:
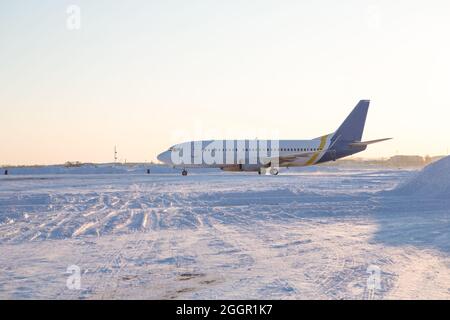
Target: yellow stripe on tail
column 323, row 142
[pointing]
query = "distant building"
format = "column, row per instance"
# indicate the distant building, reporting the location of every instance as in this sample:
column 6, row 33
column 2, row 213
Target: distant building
column 399, row 161
column 70, row 164
column 406, row 161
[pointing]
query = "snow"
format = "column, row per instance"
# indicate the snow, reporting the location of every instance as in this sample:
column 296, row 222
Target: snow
column 305, row 234
column 432, row 181
column 106, row 168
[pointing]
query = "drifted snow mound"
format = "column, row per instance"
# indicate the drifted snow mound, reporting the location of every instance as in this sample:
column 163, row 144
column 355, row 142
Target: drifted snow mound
column 433, row 181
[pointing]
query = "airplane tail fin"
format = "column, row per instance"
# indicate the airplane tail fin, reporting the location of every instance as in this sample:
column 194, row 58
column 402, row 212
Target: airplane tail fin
column 353, row 126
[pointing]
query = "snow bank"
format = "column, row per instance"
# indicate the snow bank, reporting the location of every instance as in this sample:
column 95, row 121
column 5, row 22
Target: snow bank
column 432, row 181
column 88, row 169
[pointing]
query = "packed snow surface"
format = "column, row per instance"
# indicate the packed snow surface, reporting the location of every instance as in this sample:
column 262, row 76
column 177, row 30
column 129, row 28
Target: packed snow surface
column 319, row 233
column 432, row 181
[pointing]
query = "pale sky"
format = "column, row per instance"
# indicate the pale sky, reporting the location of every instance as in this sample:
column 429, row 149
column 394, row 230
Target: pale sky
column 144, row 75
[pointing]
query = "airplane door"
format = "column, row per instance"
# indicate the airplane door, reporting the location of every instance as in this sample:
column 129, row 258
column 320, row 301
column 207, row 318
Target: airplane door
column 333, row 155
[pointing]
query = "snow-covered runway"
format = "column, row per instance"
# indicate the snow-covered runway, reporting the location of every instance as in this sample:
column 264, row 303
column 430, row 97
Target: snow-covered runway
column 323, row 234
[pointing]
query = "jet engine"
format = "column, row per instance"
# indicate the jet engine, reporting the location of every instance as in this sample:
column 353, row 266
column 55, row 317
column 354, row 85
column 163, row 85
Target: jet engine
column 241, row 167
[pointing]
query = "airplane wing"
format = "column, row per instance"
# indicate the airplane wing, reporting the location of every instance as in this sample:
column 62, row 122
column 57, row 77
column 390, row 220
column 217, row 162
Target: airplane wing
column 290, row 157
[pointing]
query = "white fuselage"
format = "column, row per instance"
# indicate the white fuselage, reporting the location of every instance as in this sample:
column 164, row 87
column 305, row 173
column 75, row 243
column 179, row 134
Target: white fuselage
column 228, row 153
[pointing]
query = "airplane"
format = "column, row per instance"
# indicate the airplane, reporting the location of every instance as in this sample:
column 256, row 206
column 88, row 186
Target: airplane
column 261, row 155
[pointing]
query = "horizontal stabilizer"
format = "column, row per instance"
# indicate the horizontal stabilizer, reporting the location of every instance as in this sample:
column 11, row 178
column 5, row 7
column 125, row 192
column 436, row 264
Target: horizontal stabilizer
column 365, row 143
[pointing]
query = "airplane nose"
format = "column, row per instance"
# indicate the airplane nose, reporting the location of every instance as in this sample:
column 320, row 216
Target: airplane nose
column 164, row 157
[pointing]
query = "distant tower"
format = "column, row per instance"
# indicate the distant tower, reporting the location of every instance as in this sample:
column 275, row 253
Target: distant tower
column 115, row 154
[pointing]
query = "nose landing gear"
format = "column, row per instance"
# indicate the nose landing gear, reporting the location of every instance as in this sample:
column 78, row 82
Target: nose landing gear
column 184, row 172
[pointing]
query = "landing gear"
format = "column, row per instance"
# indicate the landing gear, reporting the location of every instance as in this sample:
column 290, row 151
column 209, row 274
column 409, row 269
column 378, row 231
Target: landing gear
column 273, row 171
column 262, row 171
column 184, row 172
